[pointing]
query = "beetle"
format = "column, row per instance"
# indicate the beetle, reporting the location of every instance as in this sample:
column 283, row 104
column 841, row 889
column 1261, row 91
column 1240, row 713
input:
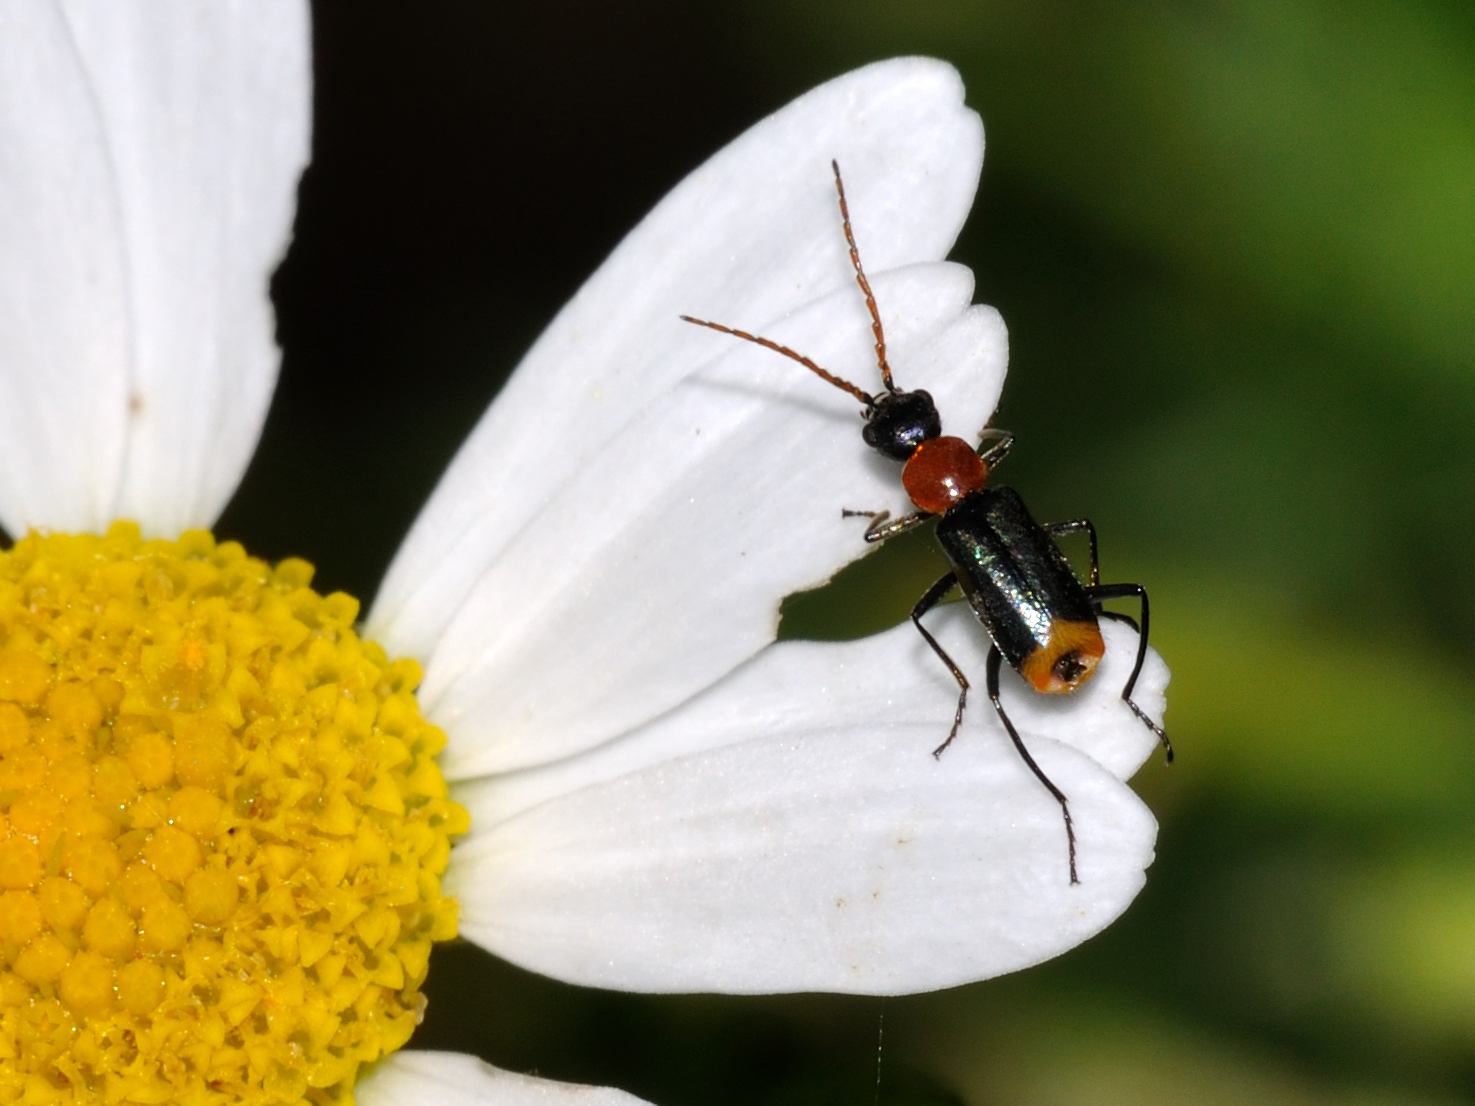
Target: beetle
column 1038, row 614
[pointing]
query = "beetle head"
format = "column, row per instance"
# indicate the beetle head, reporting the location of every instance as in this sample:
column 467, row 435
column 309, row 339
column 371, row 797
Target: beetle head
column 898, row 422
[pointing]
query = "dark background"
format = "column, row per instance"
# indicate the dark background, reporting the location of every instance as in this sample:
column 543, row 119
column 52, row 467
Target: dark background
column 1234, row 243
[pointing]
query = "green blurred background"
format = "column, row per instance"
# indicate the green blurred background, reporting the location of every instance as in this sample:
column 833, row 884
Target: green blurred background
column 1234, row 244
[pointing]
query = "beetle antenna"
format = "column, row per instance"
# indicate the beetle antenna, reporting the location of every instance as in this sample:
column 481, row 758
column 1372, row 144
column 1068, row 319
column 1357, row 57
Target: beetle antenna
column 793, row 355
column 865, row 285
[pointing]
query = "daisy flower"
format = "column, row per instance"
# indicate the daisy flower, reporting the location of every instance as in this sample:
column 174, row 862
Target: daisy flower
column 225, row 838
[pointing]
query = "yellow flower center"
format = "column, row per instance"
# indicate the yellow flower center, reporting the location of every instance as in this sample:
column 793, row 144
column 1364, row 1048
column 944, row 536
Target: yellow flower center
column 222, row 828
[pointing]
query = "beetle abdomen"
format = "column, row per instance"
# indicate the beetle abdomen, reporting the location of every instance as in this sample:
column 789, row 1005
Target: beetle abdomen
column 1022, row 589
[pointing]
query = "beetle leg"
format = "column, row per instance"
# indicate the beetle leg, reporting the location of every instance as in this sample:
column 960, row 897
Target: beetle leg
column 1118, row 617
column 1099, row 592
column 994, row 445
column 933, row 597
column 994, row 660
column 883, row 526
column 1075, row 526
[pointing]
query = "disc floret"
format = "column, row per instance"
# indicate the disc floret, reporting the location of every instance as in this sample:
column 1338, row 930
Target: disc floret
column 222, row 828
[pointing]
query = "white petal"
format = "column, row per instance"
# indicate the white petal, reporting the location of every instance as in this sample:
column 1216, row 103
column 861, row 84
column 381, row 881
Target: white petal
column 148, row 171
column 415, row 1078
column 816, row 860
column 890, row 677
column 749, row 236
column 62, row 322
column 660, row 569
column 713, row 850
